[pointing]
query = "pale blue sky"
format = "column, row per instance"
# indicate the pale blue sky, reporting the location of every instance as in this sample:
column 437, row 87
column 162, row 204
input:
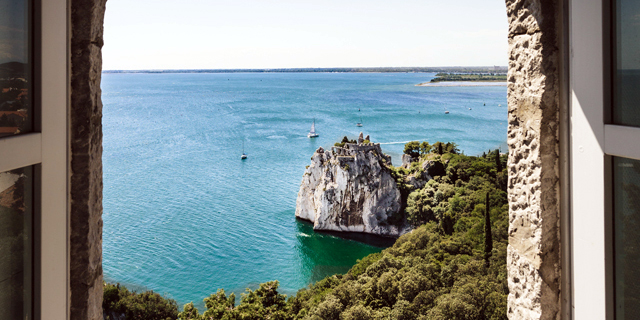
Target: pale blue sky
column 215, row 34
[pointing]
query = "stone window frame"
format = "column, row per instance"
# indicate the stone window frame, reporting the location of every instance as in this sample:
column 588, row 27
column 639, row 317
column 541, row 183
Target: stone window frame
column 545, row 100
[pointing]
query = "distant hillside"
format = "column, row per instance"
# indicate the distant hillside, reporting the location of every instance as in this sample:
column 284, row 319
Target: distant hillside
column 494, row 69
column 12, row 70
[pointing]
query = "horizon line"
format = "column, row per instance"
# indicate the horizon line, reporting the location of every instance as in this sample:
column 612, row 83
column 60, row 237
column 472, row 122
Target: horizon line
column 314, row 69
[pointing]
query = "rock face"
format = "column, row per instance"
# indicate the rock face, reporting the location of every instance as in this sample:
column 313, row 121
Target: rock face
column 407, row 160
column 350, row 189
column 533, row 254
column 419, row 179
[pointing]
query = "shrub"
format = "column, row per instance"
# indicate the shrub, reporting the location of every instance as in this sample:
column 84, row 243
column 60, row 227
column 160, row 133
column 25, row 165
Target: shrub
column 118, row 301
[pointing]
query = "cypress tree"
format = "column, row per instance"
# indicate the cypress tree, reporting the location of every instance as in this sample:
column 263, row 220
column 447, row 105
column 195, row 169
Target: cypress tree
column 498, row 162
column 488, row 242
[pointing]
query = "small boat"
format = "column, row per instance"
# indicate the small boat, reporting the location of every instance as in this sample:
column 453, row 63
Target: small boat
column 359, row 124
column 312, row 133
column 469, row 108
column 446, row 112
column 244, row 155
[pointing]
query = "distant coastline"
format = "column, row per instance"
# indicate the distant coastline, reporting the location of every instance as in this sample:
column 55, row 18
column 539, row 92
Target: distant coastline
column 463, row 84
column 466, row 79
column 478, row 69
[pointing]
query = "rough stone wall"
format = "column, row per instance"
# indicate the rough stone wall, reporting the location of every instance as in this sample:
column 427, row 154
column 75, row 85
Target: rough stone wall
column 85, row 134
column 533, row 254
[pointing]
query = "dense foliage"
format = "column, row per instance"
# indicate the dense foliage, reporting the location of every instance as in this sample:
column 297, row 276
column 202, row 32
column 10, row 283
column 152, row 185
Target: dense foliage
column 118, row 301
column 451, row 266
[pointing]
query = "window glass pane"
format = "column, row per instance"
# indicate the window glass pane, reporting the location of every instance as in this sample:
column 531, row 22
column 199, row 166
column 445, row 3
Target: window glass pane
column 626, row 87
column 626, row 193
column 16, row 241
column 15, row 68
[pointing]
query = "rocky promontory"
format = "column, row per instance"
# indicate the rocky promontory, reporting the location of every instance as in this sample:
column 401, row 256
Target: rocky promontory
column 350, row 188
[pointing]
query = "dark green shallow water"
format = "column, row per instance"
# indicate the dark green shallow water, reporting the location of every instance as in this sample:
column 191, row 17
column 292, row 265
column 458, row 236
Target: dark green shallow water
column 184, row 216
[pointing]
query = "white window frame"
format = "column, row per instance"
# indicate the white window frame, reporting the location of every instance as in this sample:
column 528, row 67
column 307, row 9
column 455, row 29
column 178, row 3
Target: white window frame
column 593, row 143
column 47, row 149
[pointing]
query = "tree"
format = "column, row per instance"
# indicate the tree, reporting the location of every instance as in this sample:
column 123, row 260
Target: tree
column 437, row 147
column 218, row 304
column 451, row 147
column 498, row 162
column 425, row 147
column 412, row 148
column 189, row 312
column 488, row 242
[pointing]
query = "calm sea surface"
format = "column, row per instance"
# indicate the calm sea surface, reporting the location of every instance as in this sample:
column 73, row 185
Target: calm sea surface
column 184, row 216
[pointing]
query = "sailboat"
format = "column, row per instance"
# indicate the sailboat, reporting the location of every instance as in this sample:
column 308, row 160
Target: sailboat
column 312, row 133
column 359, row 124
column 244, row 155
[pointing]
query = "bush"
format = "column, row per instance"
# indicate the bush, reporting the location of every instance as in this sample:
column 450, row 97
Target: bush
column 118, row 301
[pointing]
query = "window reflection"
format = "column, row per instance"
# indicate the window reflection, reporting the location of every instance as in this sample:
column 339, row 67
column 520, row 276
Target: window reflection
column 16, row 243
column 15, row 68
column 627, row 239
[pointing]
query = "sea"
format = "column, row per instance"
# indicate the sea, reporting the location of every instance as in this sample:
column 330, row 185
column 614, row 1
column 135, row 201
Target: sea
column 184, row 216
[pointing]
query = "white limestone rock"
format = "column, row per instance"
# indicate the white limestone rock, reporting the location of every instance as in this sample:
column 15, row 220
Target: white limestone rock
column 407, row 160
column 350, row 189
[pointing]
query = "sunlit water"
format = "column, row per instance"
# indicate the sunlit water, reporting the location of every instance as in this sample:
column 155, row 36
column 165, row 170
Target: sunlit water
column 184, row 216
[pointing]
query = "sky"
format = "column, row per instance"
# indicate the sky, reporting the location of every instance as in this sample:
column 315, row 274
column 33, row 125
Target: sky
column 13, row 31
column 628, row 33
column 239, row 34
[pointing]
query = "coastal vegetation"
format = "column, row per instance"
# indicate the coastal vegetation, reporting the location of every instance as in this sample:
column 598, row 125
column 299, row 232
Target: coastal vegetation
column 120, row 303
column 440, row 77
column 451, row 266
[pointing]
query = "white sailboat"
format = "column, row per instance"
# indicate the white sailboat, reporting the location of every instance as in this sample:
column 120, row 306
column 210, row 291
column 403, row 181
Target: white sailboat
column 359, row 124
column 244, row 155
column 312, row 133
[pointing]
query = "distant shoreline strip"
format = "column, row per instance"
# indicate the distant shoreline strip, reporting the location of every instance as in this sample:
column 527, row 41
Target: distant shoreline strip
column 462, row 84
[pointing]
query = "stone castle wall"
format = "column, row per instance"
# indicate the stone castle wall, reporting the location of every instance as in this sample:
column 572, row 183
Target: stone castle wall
column 533, row 254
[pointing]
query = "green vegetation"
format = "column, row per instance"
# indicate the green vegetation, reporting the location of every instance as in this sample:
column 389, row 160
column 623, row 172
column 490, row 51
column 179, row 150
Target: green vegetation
column 469, row 77
column 118, row 301
column 451, row 266
column 344, row 141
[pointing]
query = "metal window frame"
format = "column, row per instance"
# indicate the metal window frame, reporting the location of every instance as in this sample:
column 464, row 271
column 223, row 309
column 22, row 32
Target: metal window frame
column 591, row 287
column 47, row 150
column 594, row 142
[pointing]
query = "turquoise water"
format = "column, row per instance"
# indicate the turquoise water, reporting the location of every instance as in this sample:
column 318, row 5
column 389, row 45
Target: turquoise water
column 183, row 215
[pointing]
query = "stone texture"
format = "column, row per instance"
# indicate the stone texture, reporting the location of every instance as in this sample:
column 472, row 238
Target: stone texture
column 350, row 189
column 533, row 254
column 407, row 160
column 85, row 136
